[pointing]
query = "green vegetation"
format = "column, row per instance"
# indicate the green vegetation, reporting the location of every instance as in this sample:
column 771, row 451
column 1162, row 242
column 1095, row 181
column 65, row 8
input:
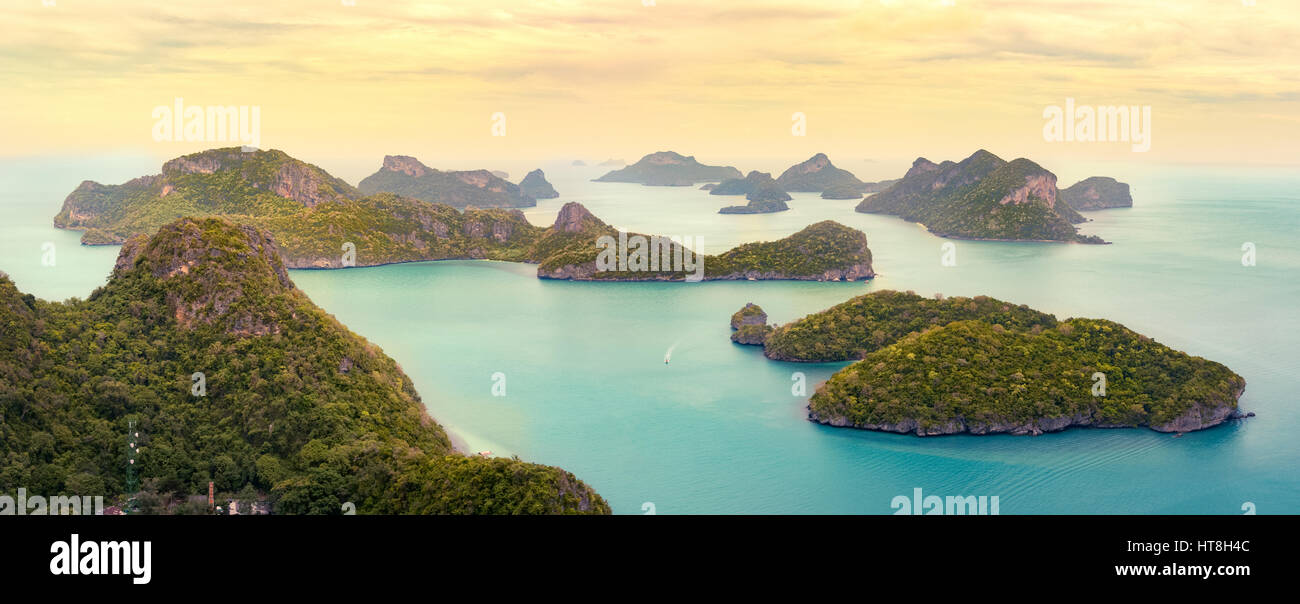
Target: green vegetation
column 311, row 213
column 869, row 322
column 981, row 377
column 982, row 197
column 407, row 177
column 666, row 168
column 763, row 193
column 314, row 217
column 750, row 325
column 818, row 174
column 757, row 206
column 1097, row 193
column 295, row 404
column 824, row 251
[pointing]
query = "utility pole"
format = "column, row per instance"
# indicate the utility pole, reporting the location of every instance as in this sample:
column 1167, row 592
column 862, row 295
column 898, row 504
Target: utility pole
column 132, row 480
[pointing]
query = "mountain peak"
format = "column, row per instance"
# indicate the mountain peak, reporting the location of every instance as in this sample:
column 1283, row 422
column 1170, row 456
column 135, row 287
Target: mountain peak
column 405, row 164
column 211, row 270
column 575, row 218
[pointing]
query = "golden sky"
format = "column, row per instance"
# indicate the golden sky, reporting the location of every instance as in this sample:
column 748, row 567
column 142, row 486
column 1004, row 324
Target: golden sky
column 876, row 79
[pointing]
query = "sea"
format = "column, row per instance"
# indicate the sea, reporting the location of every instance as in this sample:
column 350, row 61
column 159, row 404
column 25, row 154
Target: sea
column 572, row 374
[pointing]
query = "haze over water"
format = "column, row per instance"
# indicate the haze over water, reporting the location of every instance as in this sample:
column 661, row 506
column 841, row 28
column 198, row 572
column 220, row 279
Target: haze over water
column 718, row 430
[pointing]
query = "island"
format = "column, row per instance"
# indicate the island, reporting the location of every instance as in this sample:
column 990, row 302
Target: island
column 981, row 197
column 825, row 251
column 1097, row 193
column 817, row 174
column 320, row 222
column 749, row 325
column 667, row 168
column 762, row 192
column 535, row 185
column 983, row 366
column 757, row 205
column 232, row 375
column 406, row 176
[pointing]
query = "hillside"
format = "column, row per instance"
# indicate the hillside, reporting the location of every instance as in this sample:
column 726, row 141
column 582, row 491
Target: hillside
column 406, row 176
column 981, row 378
column 981, row 197
column 850, row 330
column 293, row 403
column 817, row 174
column 825, row 251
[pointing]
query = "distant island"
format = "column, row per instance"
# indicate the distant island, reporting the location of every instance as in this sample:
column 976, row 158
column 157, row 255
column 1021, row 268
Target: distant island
column 234, row 376
column 843, row 191
column 1097, row 193
column 981, row 197
column 817, row 174
column 984, row 366
column 406, row 176
column 762, row 192
column 319, row 221
column 535, row 185
column 825, row 251
column 666, row 168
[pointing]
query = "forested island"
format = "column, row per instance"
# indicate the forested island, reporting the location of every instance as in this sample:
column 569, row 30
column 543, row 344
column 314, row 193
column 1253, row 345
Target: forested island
column 760, row 190
column 825, row 251
column 668, row 168
column 816, row 174
column 983, row 366
column 320, row 221
column 536, row 186
column 234, row 376
column 981, row 197
column 406, row 176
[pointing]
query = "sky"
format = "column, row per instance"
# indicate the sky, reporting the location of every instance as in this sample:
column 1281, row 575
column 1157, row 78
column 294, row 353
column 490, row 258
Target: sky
column 874, row 80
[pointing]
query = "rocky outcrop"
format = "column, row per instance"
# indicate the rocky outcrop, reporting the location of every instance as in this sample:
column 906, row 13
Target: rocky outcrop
column 749, row 325
column 842, row 191
column 1041, row 186
column 575, row 218
column 212, row 279
column 405, row 164
column 535, row 185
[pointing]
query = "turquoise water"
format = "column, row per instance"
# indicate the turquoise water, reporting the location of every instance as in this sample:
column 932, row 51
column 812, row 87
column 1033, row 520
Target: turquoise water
column 719, row 431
